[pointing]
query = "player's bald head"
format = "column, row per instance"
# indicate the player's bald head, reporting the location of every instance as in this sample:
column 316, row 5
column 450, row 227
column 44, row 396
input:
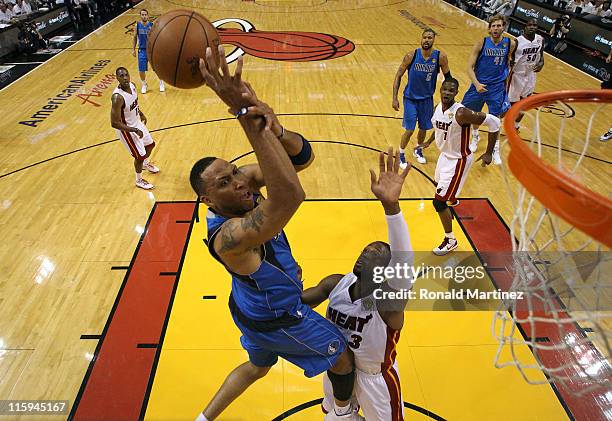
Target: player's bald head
column 451, row 81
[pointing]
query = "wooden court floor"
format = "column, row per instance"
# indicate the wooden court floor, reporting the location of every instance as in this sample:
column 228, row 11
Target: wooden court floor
column 74, row 226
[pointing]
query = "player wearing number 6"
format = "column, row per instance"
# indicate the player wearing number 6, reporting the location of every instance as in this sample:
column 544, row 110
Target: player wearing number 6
column 370, row 324
column 488, row 68
column 528, row 60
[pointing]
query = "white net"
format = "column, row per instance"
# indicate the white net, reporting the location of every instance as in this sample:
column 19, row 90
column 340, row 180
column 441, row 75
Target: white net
column 565, row 277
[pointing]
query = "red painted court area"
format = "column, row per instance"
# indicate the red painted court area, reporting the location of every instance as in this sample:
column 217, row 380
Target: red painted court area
column 118, row 377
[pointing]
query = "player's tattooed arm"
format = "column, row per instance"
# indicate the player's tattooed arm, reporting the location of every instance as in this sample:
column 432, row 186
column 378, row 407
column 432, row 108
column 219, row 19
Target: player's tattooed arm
column 465, row 116
column 429, row 141
column 316, row 295
column 398, row 77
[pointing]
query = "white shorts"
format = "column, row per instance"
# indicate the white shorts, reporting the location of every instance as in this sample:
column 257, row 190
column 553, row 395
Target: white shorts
column 134, row 144
column 521, row 86
column 451, row 173
column 379, row 395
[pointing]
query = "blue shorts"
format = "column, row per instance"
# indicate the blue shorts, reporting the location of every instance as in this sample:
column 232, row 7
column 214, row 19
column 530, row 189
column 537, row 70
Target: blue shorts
column 495, row 97
column 142, row 60
column 418, row 109
column 314, row 344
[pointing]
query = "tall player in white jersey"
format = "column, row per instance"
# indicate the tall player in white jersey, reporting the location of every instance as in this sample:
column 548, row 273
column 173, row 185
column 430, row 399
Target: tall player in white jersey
column 451, row 121
column 371, row 324
column 129, row 122
column 528, row 60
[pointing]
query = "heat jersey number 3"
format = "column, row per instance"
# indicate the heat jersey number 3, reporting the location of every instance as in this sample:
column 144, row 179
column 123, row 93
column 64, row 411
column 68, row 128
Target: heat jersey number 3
column 355, row 341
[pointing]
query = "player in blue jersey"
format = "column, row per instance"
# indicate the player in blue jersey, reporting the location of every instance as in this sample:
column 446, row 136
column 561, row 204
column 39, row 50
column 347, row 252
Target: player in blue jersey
column 488, row 68
column 245, row 234
column 141, row 34
column 423, row 65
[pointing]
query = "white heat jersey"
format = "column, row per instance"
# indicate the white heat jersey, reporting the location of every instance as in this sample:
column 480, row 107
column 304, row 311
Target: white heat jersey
column 129, row 112
column 451, row 138
column 527, row 54
column 371, row 340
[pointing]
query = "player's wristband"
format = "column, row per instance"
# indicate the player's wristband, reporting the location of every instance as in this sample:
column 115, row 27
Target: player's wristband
column 241, row 112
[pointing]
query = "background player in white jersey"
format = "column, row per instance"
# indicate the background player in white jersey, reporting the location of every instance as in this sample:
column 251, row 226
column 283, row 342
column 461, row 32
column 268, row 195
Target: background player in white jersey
column 528, row 60
column 129, row 122
column 451, row 123
column 372, row 325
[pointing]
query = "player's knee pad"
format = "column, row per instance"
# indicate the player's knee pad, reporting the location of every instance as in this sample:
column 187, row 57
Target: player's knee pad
column 342, row 384
column 439, row 205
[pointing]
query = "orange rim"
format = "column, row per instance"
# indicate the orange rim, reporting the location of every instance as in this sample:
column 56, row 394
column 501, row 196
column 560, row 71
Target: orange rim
column 588, row 211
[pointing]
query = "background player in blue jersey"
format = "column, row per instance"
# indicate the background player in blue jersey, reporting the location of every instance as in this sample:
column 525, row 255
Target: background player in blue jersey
column 245, row 234
column 423, row 65
column 141, row 34
column 488, row 68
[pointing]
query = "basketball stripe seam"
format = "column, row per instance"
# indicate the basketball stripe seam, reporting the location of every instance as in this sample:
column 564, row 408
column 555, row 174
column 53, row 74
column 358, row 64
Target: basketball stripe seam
column 180, row 52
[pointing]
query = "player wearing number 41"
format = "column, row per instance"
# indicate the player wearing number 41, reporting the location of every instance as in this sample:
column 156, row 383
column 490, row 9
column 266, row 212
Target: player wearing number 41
column 488, row 68
column 451, row 123
column 370, row 323
column 528, row 60
column 129, row 123
column 423, row 65
column 141, row 35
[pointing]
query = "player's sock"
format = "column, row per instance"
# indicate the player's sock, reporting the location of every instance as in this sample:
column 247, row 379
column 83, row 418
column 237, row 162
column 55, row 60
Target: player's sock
column 201, row 417
column 401, row 150
column 138, row 177
column 342, row 410
column 146, row 161
column 450, row 235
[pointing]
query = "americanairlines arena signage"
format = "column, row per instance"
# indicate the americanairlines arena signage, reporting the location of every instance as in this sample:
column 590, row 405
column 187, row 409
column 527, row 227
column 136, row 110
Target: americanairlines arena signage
column 582, row 31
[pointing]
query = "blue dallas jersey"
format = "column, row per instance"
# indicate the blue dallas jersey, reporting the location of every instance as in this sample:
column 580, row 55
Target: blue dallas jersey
column 273, row 290
column 143, row 33
column 422, row 75
column 492, row 62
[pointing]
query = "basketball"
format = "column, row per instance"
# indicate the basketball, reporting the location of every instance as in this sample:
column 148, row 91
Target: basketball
column 177, row 41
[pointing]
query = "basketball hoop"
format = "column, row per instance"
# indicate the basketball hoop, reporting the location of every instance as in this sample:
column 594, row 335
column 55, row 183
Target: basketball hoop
column 561, row 233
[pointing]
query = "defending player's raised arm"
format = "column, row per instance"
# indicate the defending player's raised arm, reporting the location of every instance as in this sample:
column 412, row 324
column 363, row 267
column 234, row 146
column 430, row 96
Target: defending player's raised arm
column 316, row 295
column 398, row 77
column 387, row 188
column 465, row 116
column 117, row 102
column 285, row 193
column 472, row 64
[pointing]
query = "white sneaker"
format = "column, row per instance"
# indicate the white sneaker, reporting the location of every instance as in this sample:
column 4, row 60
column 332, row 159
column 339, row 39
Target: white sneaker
column 496, row 156
column 162, row 87
column 403, row 163
column 448, row 245
column 150, row 167
column 418, row 154
column 351, row 416
column 143, row 90
column 144, row 184
column 606, row 136
column 474, row 143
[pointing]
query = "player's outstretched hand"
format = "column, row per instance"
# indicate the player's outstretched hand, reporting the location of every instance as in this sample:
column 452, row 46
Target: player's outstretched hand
column 139, row 133
column 395, row 104
column 229, row 88
column 387, row 187
column 486, row 159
